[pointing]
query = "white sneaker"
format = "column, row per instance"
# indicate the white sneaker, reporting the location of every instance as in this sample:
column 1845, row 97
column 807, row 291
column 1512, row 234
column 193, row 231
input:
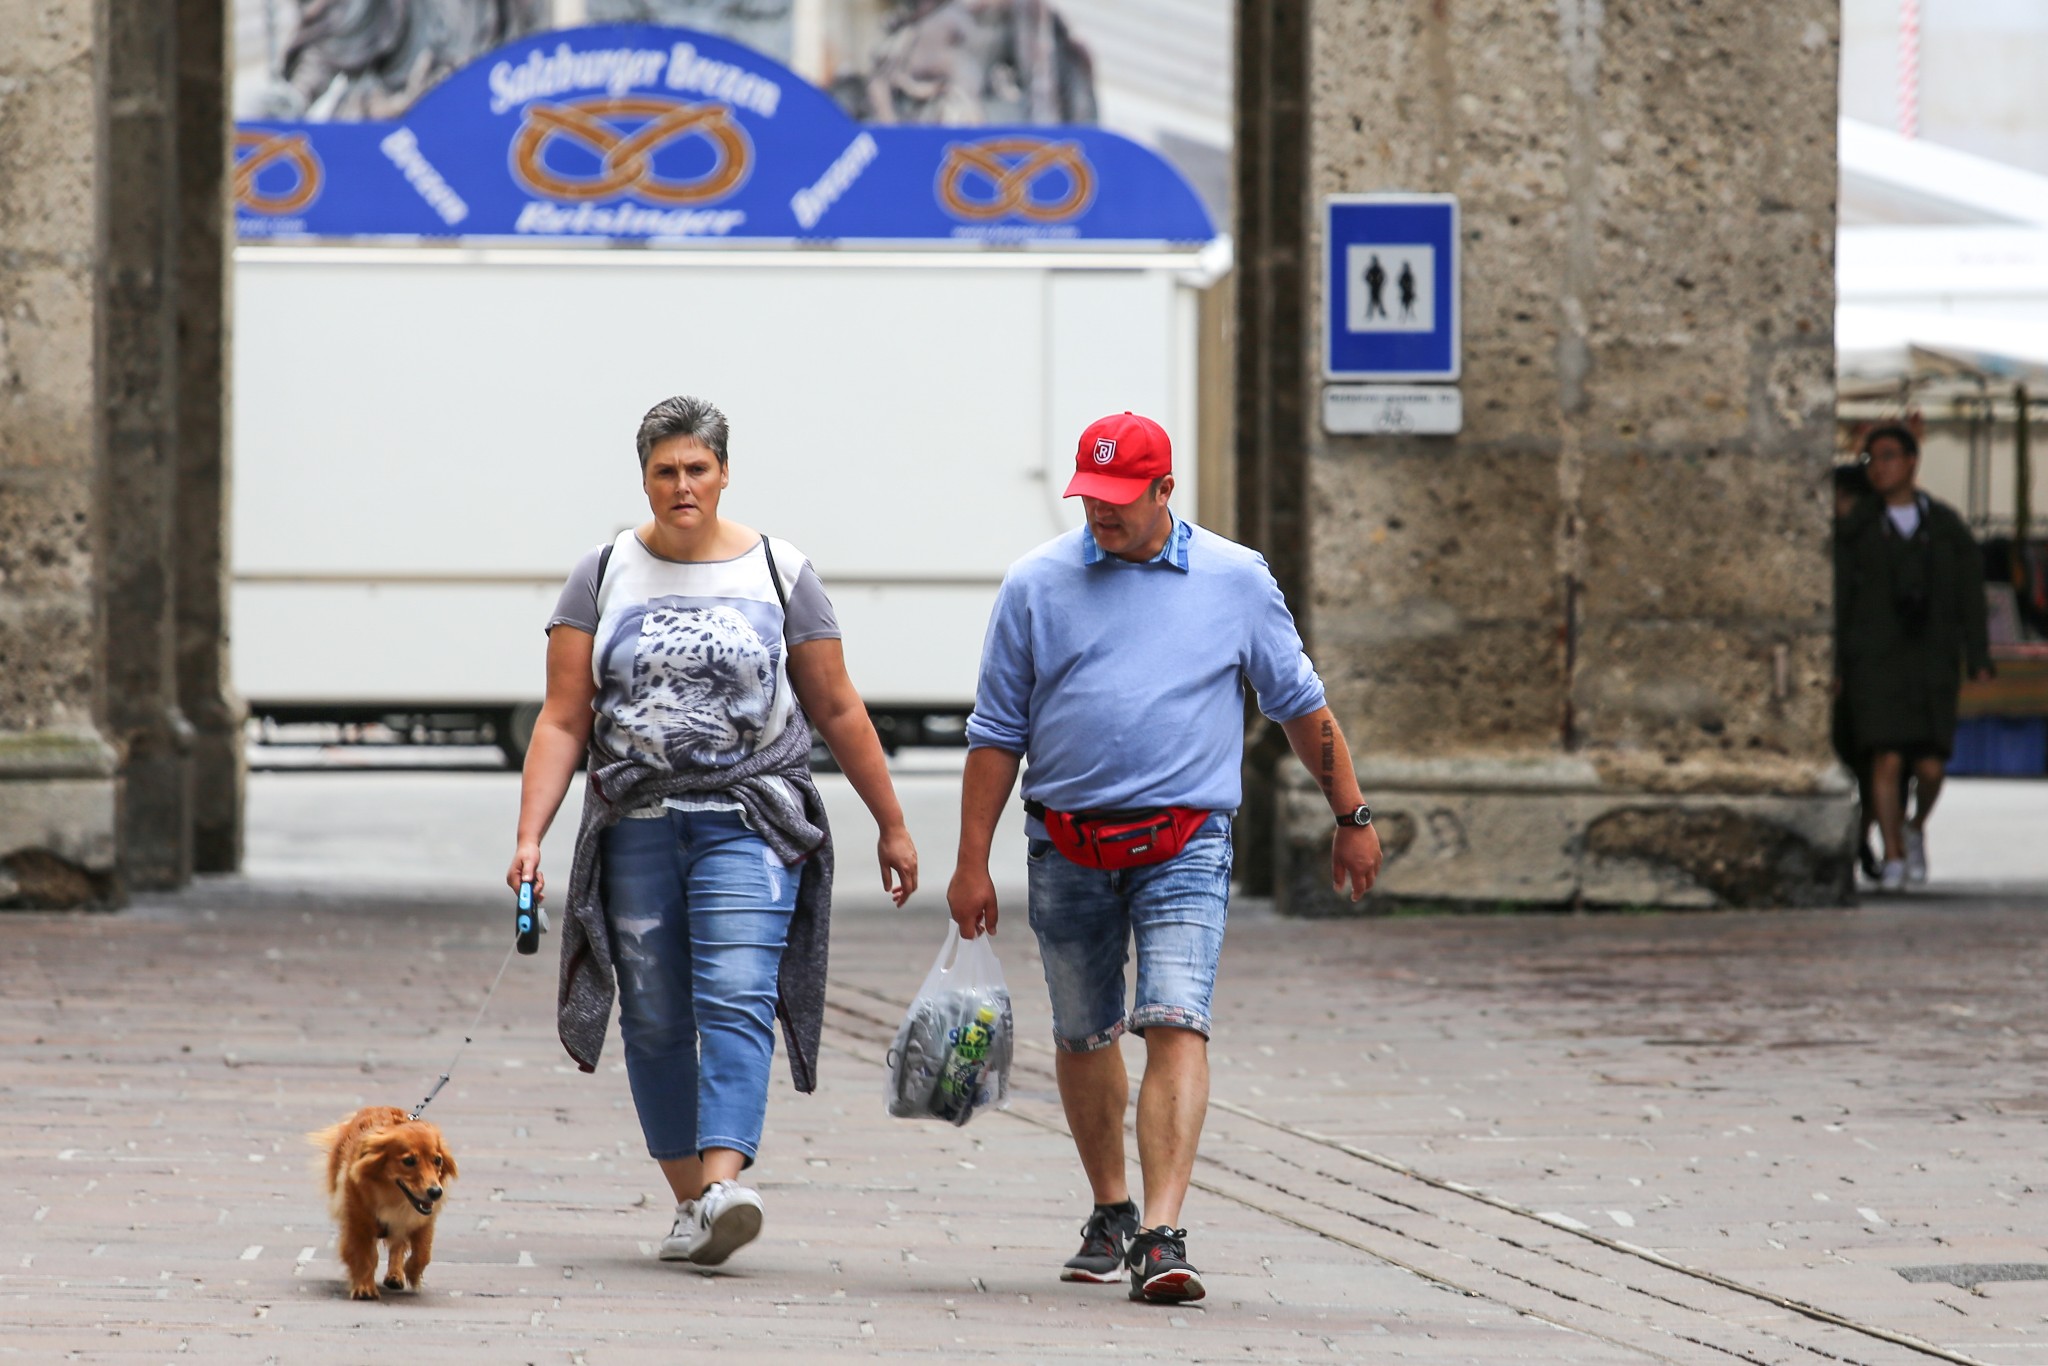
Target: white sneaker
column 676, row 1247
column 1894, row 879
column 1916, row 855
column 718, row 1223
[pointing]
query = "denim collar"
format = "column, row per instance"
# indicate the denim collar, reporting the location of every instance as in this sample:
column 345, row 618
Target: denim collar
column 1174, row 552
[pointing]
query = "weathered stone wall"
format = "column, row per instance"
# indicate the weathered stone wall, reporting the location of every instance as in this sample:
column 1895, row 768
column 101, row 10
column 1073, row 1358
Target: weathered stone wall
column 1271, row 378
column 111, row 355
column 58, row 785
column 137, row 375
column 203, row 394
column 1582, row 649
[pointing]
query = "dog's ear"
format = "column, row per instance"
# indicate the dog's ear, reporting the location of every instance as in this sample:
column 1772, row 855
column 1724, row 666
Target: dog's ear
column 448, row 1172
column 368, row 1157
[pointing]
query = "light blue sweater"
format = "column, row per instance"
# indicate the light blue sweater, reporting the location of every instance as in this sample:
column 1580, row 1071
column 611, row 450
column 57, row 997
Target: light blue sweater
column 1122, row 684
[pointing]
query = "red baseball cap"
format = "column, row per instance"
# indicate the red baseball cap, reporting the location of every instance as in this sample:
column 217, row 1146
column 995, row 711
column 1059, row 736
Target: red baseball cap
column 1119, row 457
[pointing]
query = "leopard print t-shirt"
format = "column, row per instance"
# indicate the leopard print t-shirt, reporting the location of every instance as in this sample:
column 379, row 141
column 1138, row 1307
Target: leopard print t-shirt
column 690, row 658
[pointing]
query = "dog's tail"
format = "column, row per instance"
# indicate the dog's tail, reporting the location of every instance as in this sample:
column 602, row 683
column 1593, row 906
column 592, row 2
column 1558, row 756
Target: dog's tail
column 326, row 1138
column 328, row 1141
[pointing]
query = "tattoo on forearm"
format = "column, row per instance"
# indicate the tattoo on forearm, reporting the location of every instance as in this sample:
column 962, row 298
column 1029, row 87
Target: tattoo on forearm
column 1328, row 777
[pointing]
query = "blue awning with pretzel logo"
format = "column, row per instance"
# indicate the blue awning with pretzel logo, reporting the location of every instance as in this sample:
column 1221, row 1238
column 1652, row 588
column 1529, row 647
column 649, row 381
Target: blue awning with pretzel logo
column 671, row 136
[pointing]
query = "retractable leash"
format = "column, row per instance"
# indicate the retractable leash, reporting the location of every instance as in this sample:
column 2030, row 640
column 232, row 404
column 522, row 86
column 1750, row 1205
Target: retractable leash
column 530, row 920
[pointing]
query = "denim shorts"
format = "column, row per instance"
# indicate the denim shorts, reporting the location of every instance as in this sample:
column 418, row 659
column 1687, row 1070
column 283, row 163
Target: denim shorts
column 1086, row 920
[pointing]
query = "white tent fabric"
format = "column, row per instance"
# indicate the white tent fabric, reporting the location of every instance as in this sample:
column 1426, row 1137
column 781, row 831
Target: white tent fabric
column 1989, row 271
column 1875, row 343
column 1887, row 178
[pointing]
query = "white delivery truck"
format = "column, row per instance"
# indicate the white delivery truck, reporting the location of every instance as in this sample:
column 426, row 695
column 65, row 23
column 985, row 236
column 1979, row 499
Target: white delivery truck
column 427, row 437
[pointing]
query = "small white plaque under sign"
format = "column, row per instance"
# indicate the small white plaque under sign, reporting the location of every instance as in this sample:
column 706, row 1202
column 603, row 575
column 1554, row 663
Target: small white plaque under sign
column 1393, row 410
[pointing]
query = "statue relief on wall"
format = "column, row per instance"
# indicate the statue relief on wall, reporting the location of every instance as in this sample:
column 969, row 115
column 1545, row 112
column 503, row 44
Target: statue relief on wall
column 929, row 61
column 973, row 62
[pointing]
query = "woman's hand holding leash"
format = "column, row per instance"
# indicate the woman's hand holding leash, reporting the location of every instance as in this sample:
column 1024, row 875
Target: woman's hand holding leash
column 526, row 868
column 555, row 752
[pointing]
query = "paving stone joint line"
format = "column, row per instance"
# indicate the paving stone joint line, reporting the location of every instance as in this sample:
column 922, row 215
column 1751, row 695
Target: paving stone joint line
column 1407, row 1172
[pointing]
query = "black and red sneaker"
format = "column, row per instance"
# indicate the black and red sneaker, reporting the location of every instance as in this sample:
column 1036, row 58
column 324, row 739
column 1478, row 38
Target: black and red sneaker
column 1158, row 1262
column 1101, row 1258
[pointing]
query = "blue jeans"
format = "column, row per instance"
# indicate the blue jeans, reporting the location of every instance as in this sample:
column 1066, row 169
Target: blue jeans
column 699, row 910
column 1085, row 920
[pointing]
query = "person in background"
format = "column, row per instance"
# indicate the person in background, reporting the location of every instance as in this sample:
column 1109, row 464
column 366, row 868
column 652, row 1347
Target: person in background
column 1851, row 487
column 688, row 655
column 1909, row 623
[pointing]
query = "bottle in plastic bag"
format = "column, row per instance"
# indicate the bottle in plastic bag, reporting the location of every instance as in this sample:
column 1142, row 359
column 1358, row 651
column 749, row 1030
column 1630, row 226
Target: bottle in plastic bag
column 963, row 994
column 960, row 1083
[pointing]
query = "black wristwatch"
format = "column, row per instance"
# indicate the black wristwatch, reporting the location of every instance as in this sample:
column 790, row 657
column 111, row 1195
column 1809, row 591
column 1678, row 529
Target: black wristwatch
column 1361, row 818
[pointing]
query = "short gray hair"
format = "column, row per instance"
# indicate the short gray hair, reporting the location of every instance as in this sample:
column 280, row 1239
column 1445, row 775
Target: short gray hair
column 696, row 418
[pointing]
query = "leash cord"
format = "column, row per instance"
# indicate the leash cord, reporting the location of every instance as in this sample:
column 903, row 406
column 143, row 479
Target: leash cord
column 420, row 1108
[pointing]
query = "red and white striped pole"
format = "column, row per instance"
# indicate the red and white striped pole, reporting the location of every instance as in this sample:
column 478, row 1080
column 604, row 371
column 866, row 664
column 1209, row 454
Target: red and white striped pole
column 1909, row 68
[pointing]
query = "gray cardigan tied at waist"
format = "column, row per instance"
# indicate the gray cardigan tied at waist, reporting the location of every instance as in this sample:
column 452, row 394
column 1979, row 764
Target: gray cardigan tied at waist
column 794, row 828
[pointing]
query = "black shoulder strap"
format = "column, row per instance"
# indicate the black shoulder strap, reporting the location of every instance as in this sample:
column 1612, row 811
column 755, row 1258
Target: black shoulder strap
column 604, row 559
column 775, row 577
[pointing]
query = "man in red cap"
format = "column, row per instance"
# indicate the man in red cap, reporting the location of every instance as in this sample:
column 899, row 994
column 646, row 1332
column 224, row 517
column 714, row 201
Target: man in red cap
column 1115, row 664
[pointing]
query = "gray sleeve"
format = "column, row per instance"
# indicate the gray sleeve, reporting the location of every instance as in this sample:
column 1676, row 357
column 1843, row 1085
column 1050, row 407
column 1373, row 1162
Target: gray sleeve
column 578, row 604
column 810, row 611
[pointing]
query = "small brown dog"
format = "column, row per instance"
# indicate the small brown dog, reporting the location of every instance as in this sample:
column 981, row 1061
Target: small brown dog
column 385, row 1178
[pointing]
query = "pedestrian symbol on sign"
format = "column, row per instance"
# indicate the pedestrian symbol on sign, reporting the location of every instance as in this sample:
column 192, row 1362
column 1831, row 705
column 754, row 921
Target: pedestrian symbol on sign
column 1410, row 270
column 1390, row 291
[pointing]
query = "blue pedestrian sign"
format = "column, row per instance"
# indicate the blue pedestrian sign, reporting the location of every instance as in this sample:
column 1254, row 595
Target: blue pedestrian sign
column 1390, row 286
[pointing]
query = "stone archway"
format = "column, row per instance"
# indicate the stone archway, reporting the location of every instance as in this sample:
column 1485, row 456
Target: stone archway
column 120, row 762
column 1582, row 649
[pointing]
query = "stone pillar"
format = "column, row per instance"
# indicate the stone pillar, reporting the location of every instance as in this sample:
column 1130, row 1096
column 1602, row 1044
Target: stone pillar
column 1272, row 237
column 1582, row 649
column 58, row 774
column 137, row 377
column 205, row 247
column 112, row 448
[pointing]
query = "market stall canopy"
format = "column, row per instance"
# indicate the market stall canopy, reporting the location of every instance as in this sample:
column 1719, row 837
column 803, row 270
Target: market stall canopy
column 667, row 136
column 1887, row 178
column 1879, row 347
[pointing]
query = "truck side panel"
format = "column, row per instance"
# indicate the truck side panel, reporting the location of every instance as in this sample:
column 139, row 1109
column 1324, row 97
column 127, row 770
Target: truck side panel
column 427, row 440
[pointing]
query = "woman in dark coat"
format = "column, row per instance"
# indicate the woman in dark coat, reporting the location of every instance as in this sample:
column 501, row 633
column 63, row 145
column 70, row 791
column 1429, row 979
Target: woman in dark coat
column 1852, row 489
column 1909, row 621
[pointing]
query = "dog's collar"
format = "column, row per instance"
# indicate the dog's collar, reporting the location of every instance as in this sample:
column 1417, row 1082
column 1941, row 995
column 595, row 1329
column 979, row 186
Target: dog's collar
column 424, row 1207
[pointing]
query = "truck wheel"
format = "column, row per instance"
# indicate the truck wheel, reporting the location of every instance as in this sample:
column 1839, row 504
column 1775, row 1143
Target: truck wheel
column 516, row 733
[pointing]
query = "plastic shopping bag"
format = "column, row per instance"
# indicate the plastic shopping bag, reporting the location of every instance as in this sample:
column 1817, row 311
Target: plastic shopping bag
column 951, row 1058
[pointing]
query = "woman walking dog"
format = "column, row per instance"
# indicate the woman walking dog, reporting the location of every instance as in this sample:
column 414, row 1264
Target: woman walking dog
column 687, row 656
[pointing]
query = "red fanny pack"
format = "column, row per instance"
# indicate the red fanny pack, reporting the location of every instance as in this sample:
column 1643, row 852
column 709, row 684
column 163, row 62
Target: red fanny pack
column 1119, row 839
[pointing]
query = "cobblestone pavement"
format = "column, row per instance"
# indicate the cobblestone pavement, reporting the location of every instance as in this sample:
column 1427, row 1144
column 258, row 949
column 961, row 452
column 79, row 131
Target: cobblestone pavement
column 1714, row 1138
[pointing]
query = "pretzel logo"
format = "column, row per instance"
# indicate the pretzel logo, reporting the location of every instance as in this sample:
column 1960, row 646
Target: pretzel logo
column 624, row 133
column 257, row 152
column 996, row 179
